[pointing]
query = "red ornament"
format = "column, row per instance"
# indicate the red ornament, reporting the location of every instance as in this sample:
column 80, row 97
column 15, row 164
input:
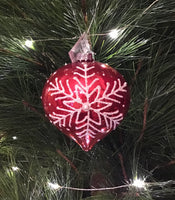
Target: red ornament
column 86, row 101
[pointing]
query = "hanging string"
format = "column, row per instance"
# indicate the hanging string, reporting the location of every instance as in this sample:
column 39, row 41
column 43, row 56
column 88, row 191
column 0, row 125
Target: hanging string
column 93, row 18
column 75, row 18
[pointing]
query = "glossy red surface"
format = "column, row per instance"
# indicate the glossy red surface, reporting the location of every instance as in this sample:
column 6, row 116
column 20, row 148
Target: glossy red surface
column 86, row 101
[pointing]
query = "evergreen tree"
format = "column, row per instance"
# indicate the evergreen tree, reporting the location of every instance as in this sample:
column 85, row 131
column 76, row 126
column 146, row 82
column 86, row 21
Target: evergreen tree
column 37, row 161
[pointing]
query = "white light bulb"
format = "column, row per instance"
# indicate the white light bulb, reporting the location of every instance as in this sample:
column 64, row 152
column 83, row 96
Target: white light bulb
column 14, row 138
column 138, row 183
column 29, row 43
column 54, row 186
column 115, row 33
column 14, row 168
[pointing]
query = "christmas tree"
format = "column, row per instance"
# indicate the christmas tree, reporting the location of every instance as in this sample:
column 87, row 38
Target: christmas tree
column 134, row 161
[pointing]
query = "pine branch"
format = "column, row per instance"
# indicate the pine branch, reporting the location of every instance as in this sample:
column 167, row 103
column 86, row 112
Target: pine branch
column 27, row 105
column 144, row 120
column 139, row 66
column 123, row 168
column 20, row 57
column 83, row 3
column 71, row 164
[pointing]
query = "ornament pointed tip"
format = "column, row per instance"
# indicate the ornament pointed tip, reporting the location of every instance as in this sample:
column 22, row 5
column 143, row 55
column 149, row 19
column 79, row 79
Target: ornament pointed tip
column 86, row 145
column 86, row 148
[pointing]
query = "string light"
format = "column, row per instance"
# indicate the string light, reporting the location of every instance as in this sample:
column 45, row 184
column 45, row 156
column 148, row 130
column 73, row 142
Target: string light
column 29, row 44
column 139, row 183
column 14, row 138
column 115, row 33
column 14, row 168
column 53, row 186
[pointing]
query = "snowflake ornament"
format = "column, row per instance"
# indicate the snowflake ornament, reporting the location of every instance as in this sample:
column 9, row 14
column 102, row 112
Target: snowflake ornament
column 86, row 100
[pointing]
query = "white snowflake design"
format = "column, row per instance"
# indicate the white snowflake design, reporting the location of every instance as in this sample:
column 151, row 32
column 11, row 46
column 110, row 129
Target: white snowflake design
column 87, row 126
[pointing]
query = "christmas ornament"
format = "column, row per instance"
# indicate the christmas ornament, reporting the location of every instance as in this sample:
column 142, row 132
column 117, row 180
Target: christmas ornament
column 86, row 99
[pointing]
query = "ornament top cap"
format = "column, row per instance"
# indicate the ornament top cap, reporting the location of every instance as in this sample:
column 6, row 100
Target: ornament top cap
column 81, row 51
